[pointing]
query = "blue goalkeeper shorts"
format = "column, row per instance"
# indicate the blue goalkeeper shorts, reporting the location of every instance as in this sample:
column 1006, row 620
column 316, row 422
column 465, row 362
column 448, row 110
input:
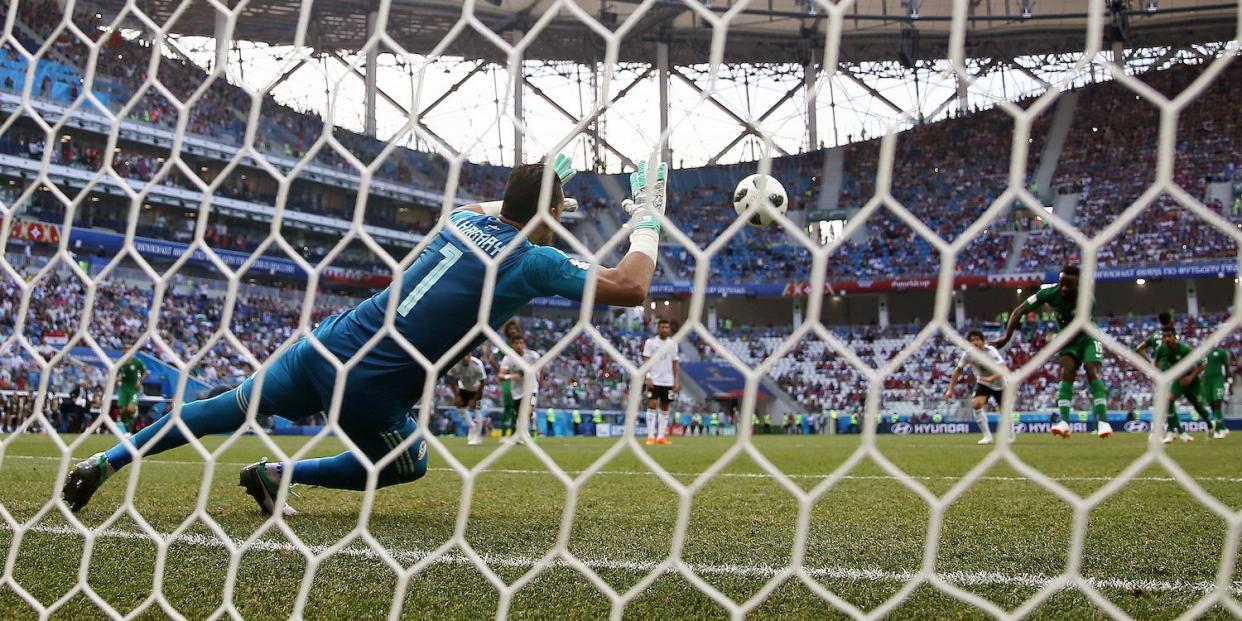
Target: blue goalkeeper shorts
column 299, row 383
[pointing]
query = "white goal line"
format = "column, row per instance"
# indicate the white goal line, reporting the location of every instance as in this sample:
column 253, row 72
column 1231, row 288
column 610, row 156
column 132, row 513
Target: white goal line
column 408, row 557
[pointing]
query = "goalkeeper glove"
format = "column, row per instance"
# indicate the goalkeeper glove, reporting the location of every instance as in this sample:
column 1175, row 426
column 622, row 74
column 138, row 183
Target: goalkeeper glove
column 564, row 168
column 645, row 210
column 647, row 194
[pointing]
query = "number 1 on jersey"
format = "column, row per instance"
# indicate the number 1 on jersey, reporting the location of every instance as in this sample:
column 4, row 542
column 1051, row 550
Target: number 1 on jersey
column 451, row 255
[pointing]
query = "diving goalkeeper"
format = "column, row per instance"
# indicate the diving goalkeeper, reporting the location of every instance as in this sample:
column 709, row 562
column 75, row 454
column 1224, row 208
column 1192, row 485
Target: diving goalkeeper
column 436, row 295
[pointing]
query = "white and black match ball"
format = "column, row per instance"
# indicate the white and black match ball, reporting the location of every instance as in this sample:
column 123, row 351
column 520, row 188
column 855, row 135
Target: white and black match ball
column 765, row 192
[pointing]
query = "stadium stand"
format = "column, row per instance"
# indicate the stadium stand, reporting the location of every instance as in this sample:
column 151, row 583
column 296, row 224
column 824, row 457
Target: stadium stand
column 1103, row 162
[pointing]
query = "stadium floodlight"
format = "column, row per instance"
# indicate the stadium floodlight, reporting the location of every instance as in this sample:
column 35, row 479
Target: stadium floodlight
column 1151, row 6
column 1027, row 6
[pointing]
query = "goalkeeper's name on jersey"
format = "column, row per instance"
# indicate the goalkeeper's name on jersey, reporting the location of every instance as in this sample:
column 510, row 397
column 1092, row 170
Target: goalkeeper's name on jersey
column 487, row 243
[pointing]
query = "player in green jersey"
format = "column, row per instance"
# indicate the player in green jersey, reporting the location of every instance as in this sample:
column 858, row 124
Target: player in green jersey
column 1082, row 351
column 1170, row 352
column 1215, row 376
column 508, row 418
column 1150, row 343
column 129, row 388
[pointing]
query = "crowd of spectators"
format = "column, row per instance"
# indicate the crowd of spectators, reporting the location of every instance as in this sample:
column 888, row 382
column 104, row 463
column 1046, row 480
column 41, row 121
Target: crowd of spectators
column 190, row 314
column 1109, row 160
column 582, row 375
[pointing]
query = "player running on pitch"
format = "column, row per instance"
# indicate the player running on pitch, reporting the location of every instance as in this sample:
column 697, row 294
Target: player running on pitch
column 511, row 370
column 1215, row 377
column 129, row 388
column 468, row 375
column 663, row 380
column 988, row 385
column 434, row 300
column 1170, row 352
column 1082, row 351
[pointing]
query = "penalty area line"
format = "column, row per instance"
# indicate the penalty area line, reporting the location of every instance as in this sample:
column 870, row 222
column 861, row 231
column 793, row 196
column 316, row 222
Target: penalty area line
column 408, row 557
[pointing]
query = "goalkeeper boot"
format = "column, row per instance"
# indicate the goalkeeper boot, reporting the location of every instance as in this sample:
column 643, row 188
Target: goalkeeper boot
column 84, row 480
column 985, row 440
column 664, row 441
column 1185, row 437
column 257, row 479
column 1169, row 436
column 1104, row 429
column 1061, row 430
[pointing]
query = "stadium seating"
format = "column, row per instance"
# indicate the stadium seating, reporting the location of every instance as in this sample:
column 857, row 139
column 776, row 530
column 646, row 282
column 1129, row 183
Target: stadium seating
column 1103, row 159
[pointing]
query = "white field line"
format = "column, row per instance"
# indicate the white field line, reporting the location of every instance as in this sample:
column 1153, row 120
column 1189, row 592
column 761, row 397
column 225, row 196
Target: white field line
column 641, row 473
column 408, row 557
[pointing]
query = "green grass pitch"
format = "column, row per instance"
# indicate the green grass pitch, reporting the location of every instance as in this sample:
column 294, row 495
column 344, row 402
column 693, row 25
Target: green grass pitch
column 1151, row 548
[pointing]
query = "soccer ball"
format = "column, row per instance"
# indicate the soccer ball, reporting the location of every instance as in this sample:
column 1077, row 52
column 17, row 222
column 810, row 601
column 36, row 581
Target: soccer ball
column 764, row 191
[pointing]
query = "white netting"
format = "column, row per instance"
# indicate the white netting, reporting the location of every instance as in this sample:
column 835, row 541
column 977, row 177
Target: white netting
column 202, row 196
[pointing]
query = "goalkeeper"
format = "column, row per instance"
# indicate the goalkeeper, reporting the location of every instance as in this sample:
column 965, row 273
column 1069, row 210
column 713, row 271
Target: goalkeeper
column 446, row 279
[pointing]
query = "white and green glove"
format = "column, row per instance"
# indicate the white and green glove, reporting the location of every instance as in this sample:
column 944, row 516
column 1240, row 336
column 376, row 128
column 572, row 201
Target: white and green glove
column 646, row 195
column 563, row 165
column 645, row 209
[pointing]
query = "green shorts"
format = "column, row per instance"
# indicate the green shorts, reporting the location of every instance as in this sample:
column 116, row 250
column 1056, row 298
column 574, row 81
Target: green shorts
column 1084, row 349
column 127, row 395
column 1213, row 389
column 1195, row 388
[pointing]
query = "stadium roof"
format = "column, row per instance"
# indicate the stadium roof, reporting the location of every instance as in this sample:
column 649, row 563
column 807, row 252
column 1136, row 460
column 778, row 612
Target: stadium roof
column 768, row 30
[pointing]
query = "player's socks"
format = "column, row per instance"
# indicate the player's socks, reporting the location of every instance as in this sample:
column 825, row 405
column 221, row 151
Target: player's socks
column 1175, row 421
column 341, row 472
column 219, row 414
column 345, row 471
column 981, row 417
column 1065, row 399
column 1201, row 411
column 1099, row 399
column 653, row 424
column 663, row 431
column 472, row 435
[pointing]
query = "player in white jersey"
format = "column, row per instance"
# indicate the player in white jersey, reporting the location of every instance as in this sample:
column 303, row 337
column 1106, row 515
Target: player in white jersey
column 511, row 369
column 988, row 385
column 663, row 380
column 469, row 374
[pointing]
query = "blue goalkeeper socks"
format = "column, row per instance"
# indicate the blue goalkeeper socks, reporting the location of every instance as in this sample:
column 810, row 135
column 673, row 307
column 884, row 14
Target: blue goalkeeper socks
column 341, row 472
column 346, row 471
column 219, row 414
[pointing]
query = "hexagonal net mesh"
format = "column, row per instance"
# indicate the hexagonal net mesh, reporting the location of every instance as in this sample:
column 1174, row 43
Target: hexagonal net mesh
column 72, row 71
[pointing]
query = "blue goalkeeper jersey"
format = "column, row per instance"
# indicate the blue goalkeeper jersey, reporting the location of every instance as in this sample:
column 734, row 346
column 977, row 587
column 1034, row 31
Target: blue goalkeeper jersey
column 438, row 305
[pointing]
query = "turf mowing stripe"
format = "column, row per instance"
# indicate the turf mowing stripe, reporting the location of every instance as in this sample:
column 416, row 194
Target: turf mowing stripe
column 735, row 475
column 406, row 557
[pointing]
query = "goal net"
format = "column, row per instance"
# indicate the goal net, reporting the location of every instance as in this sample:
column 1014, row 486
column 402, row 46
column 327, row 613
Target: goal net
column 189, row 190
